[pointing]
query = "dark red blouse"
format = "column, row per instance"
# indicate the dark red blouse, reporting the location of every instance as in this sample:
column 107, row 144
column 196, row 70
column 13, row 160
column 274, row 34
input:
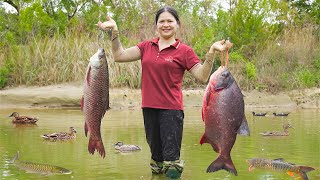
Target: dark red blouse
column 162, row 73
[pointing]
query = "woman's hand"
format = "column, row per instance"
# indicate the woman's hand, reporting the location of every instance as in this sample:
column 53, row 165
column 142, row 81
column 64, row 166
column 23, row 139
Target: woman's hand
column 221, row 46
column 109, row 24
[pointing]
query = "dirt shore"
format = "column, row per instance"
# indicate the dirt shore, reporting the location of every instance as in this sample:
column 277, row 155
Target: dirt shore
column 69, row 95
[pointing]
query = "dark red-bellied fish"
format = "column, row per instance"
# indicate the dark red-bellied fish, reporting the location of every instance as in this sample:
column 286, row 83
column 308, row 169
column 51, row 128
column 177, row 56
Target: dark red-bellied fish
column 95, row 100
column 223, row 116
column 279, row 165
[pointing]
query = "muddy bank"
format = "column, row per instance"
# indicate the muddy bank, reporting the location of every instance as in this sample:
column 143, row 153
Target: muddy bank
column 69, row 95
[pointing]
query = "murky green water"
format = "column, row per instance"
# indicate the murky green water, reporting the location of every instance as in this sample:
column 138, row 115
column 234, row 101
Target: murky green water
column 302, row 146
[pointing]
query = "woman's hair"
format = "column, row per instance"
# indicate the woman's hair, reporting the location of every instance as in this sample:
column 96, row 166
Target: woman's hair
column 170, row 10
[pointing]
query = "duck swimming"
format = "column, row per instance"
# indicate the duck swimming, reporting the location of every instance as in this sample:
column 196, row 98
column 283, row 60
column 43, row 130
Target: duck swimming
column 126, row 148
column 61, row 135
column 23, row 119
column 259, row 114
column 285, row 131
column 281, row 114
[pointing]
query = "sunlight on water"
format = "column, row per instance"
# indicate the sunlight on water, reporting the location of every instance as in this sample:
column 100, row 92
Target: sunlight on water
column 301, row 147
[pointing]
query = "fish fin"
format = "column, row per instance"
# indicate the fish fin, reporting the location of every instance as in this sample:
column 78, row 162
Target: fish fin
column 278, row 159
column 82, row 103
column 303, row 176
column 16, row 157
column 244, row 128
column 203, row 139
column 202, row 114
column 222, row 163
column 290, row 173
column 208, row 93
column 96, row 145
column 85, row 129
column 88, row 75
column 306, row 169
column 251, row 168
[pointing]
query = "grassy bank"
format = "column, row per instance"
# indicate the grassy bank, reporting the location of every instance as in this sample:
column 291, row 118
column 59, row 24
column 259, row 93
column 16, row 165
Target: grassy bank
column 289, row 62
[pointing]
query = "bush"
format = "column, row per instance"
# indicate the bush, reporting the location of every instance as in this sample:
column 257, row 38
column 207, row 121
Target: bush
column 4, row 74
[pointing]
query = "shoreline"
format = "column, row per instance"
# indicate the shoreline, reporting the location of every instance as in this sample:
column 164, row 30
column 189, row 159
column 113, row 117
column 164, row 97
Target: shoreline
column 69, row 95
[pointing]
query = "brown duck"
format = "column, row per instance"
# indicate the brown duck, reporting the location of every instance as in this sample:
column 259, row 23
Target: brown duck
column 61, row 135
column 23, row 119
column 285, row 131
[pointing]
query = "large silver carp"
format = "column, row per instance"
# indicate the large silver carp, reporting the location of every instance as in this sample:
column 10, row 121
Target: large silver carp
column 223, row 116
column 95, row 100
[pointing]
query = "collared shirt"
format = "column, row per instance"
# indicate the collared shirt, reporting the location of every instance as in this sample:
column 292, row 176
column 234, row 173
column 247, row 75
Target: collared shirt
column 162, row 73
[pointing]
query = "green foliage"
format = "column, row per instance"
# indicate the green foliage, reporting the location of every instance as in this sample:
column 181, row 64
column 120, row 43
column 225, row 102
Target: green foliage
column 4, row 73
column 33, row 20
column 249, row 71
column 236, row 56
column 306, row 78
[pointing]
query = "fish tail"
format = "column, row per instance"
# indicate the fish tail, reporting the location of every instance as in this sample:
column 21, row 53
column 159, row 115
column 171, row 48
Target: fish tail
column 306, row 169
column 222, row 163
column 96, row 145
column 303, row 172
column 16, row 157
column 303, row 176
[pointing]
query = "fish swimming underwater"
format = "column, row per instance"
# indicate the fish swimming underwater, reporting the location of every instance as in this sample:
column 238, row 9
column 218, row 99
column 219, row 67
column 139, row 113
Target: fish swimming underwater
column 44, row 169
column 95, row 100
column 279, row 165
column 224, row 118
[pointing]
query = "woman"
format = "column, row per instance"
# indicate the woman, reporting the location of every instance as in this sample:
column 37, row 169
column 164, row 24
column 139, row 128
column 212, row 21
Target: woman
column 164, row 61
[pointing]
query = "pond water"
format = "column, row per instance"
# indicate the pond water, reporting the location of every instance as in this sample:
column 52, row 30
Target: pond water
column 301, row 147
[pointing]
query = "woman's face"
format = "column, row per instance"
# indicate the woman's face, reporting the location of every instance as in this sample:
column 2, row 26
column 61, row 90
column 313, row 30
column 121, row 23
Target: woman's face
column 167, row 25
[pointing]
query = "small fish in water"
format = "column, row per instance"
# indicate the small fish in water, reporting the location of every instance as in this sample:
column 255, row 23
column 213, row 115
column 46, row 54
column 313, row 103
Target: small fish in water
column 279, row 165
column 224, row 118
column 44, row 169
column 95, row 100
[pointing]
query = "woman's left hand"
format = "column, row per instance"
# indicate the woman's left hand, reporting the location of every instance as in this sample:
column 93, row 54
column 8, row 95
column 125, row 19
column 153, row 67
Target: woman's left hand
column 222, row 45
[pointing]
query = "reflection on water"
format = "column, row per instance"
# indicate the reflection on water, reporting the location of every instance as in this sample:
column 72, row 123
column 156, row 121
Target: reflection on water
column 301, row 147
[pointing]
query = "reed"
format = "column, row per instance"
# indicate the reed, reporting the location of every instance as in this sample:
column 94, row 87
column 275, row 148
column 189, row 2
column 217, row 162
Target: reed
column 291, row 61
column 61, row 59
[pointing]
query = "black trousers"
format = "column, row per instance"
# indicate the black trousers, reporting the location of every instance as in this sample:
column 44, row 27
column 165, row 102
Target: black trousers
column 163, row 133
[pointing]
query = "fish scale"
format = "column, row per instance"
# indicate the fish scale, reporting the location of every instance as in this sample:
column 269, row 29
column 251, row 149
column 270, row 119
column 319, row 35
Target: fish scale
column 223, row 117
column 95, row 100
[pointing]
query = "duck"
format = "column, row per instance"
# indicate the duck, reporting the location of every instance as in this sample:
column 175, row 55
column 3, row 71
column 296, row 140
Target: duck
column 285, row 131
column 23, row 119
column 259, row 114
column 281, row 114
column 61, row 135
column 125, row 148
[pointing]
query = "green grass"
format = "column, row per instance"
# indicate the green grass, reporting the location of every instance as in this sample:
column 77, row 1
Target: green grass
column 289, row 62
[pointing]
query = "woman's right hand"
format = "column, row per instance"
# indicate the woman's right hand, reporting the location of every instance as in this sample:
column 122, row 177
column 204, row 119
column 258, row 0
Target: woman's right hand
column 109, row 24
